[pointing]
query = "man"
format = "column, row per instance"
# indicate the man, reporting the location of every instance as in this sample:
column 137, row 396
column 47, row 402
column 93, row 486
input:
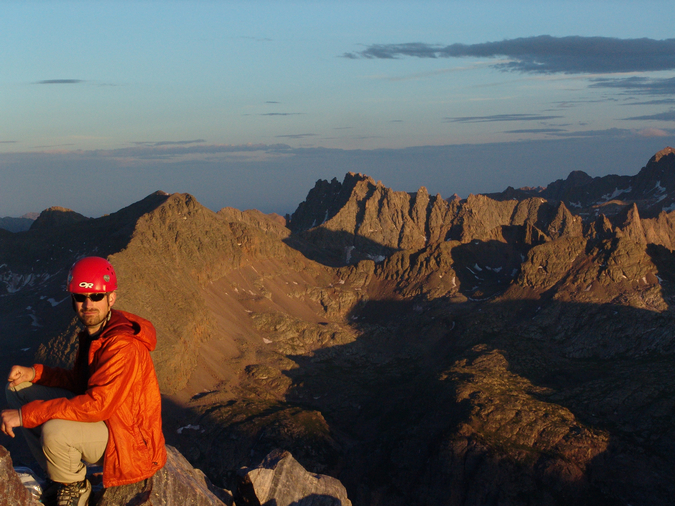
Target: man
column 106, row 409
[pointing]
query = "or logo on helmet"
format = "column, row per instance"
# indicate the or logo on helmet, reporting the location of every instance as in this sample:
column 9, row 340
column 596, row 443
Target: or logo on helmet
column 92, row 274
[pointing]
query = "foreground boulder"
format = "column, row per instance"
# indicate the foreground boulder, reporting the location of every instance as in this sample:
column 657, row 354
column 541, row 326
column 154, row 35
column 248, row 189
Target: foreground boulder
column 282, row 481
column 12, row 491
column 176, row 484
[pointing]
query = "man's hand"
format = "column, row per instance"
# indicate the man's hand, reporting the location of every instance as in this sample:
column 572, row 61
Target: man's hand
column 10, row 419
column 19, row 374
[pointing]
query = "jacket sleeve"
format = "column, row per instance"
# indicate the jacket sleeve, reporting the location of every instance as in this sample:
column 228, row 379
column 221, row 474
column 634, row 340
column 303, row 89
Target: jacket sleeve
column 55, row 377
column 108, row 387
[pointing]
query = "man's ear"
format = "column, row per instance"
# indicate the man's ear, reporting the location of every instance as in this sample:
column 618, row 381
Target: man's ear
column 112, row 297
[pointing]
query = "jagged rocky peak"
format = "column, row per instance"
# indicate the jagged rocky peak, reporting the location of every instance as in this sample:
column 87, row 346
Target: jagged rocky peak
column 57, row 217
column 326, row 199
column 361, row 218
column 652, row 190
column 563, row 189
column 659, row 169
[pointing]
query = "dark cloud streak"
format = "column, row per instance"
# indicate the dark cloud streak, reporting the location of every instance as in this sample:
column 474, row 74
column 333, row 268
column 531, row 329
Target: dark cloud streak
column 295, row 136
column 282, row 114
column 535, row 131
column 663, row 101
column 662, row 116
column 638, row 85
column 499, row 117
column 545, row 54
column 169, row 143
column 60, row 81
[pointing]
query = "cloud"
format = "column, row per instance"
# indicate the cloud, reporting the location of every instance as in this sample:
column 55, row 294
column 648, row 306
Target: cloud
column 182, row 150
column 7, row 142
column 545, row 54
column 499, row 117
column 535, row 131
column 50, row 146
column 169, row 143
column 60, row 81
column 653, row 132
column 282, row 114
column 614, row 133
column 638, row 85
column 295, row 136
column 663, row 101
column 662, row 116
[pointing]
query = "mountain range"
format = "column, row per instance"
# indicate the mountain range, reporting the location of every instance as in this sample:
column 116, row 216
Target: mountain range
column 512, row 348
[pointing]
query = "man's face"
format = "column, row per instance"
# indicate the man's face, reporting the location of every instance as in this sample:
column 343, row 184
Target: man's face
column 94, row 313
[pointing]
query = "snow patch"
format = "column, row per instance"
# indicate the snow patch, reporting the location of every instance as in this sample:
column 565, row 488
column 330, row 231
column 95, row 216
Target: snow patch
column 15, row 282
column 190, row 427
column 616, row 193
column 348, row 253
column 55, row 303
column 34, row 319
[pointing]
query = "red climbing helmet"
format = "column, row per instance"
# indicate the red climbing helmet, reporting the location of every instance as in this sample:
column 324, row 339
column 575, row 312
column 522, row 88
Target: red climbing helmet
column 92, row 275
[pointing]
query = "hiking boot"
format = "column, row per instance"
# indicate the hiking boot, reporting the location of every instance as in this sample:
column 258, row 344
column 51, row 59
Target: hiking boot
column 73, row 494
column 48, row 497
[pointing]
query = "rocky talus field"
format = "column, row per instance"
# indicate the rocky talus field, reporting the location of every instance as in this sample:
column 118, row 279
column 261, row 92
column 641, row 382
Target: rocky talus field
column 507, row 349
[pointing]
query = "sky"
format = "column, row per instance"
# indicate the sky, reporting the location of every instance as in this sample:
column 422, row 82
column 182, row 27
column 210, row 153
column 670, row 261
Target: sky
column 248, row 103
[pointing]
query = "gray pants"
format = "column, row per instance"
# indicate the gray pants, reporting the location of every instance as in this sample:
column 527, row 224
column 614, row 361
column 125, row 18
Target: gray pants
column 60, row 446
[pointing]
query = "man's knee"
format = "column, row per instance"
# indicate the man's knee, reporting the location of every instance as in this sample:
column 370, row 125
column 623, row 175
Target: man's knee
column 56, row 433
column 15, row 399
column 63, row 436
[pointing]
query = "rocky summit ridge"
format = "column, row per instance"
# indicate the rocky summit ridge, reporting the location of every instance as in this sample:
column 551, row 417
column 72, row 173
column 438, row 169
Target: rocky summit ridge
column 513, row 349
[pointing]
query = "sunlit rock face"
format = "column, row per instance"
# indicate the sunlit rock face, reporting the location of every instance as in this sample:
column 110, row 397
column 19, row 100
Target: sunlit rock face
column 176, row 484
column 280, row 480
column 12, row 491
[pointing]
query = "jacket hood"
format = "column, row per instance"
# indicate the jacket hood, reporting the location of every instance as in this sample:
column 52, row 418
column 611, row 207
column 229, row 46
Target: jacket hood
column 127, row 323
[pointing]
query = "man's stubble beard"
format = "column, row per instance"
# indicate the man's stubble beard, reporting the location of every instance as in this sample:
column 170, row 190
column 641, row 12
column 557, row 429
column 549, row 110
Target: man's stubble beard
column 92, row 318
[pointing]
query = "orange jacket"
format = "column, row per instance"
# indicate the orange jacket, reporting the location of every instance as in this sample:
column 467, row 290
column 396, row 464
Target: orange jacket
column 117, row 384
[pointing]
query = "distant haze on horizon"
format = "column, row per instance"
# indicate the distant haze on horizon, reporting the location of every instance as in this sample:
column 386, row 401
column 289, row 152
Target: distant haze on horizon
column 247, row 104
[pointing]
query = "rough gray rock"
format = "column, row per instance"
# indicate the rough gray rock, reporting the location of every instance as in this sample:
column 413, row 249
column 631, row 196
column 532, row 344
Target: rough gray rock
column 176, row 484
column 282, row 481
column 12, row 491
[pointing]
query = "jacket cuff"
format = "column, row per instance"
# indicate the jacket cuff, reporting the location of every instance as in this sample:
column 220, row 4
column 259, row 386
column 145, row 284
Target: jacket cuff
column 38, row 369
